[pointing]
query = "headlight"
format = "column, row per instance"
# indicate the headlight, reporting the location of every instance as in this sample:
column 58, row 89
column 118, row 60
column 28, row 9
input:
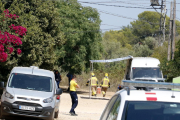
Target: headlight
column 8, row 95
column 48, row 100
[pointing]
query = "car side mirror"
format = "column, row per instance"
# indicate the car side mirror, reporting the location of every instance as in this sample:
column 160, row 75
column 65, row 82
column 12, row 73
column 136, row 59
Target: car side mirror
column 127, row 77
column 1, row 85
column 165, row 76
column 59, row 91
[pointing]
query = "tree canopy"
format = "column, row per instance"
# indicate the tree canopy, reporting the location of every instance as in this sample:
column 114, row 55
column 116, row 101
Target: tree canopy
column 43, row 32
column 60, row 35
column 81, row 27
column 65, row 35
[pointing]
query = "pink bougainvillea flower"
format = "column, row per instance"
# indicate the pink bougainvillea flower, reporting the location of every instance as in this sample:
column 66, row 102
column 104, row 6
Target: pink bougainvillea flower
column 3, row 56
column 9, row 41
column 10, row 50
column 19, row 51
column 18, row 29
column 8, row 15
column 6, row 11
column 1, row 48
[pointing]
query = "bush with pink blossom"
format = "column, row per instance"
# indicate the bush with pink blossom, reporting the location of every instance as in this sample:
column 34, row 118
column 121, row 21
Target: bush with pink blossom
column 9, row 41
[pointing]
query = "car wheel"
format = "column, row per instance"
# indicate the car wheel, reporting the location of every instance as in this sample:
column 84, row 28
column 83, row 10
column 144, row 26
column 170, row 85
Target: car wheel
column 7, row 119
column 56, row 114
column 1, row 116
column 52, row 116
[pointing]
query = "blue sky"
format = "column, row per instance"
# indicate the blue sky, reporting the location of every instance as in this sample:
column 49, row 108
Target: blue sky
column 113, row 18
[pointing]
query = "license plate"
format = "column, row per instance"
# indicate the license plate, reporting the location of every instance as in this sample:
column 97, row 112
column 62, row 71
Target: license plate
column 27, row 108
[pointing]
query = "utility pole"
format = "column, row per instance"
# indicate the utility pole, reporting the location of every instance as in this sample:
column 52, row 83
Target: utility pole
column 174, row 30
column 162, row 22
column 162, row 26
column 170, row 33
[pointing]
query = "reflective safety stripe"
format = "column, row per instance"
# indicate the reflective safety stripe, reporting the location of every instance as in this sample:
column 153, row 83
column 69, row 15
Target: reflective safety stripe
column 151, row 98
column 105, row 82
column 93, row 81
column 150, row 93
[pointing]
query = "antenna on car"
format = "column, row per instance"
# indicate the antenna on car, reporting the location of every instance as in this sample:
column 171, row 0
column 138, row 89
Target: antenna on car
column 128, row 90
column 173, row 92
column 32, row 70
column 33, row 67
column 147, row 89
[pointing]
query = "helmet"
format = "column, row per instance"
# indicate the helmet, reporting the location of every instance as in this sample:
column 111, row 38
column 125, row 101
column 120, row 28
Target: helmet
column 106, row 74
column 92, row 74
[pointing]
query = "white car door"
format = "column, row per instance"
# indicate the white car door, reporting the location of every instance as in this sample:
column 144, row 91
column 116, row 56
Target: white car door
column 57, row 98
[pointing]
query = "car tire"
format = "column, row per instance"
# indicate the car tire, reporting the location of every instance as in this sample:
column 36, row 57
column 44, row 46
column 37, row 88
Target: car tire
column 52, row 116
column 1, row 117
column 7, row 119
column 56, row 114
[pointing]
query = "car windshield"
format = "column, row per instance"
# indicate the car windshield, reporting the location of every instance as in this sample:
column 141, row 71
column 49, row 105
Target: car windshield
column 146, row 72
column 30, row 82
column 147, row 110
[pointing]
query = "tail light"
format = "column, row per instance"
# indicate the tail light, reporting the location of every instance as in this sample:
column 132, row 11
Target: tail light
column 58, row 97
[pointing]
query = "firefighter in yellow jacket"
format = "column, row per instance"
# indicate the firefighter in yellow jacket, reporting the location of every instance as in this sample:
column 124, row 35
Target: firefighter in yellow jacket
column 105, row 84
column 94, row 83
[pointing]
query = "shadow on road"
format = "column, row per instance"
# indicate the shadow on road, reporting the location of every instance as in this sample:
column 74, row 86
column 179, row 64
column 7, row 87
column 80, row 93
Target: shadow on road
column 78, row 92
column 21, row 118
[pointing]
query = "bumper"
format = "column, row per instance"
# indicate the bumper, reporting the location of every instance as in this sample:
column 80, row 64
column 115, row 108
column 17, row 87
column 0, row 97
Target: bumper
column 12, row 110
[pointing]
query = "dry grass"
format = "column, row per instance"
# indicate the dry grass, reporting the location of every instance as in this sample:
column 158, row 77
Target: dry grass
column 115, row 79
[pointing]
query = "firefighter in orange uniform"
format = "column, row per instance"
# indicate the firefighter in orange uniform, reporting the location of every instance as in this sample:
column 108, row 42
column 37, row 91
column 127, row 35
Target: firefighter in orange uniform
column 105, row 84
column 94, row 83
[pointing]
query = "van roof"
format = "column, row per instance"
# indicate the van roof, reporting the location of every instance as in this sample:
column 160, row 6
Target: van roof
column 145, row 62
column 33, row 71
column 153, row 95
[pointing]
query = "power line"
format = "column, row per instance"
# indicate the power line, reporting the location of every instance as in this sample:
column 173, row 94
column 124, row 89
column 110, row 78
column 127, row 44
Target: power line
column 124, row 2
column 110, row 14
column 110, row 25
column 117, row 27
column 143, row 7
column 99, row 30
column 125, row 17
column 114, row 2
column 117, row 15
column 170, row 2
column 177, row 18
column 113, row 5
column 118, row 2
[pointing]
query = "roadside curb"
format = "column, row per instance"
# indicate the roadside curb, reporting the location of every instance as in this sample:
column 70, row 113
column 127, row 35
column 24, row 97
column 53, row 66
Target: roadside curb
column 92, row 97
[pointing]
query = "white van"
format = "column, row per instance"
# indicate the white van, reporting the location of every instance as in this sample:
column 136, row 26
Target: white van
column 30, row 92
column 144, row 69
column 132, row 104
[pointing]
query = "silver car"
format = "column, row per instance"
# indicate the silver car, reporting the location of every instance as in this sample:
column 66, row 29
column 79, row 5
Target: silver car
column 30, row 92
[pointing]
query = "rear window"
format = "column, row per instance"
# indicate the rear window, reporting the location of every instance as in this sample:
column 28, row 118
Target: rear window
column 30, row 82
column 147, row 110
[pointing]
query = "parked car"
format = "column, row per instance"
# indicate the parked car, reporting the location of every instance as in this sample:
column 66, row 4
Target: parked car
column 30, row 92
column 132, row 104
